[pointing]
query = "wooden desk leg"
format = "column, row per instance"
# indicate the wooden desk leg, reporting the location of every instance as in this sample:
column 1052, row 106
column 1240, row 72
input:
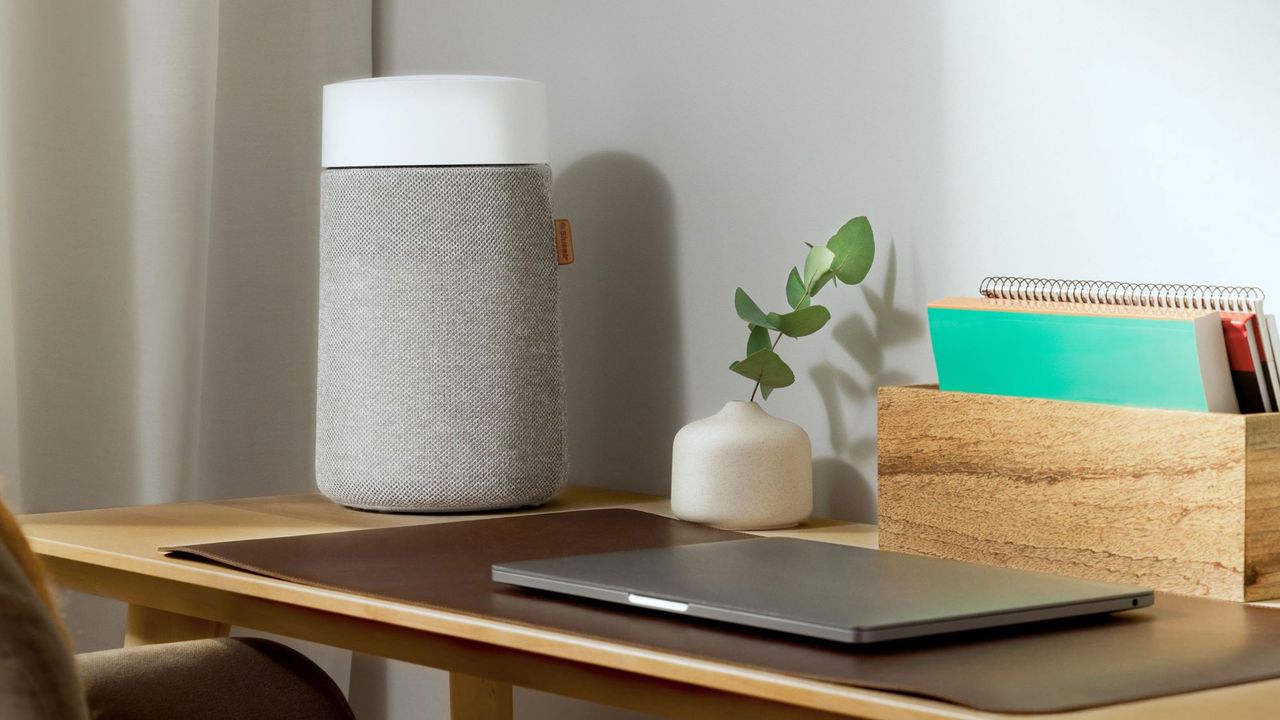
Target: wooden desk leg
column 474, row 698
column 148, row 626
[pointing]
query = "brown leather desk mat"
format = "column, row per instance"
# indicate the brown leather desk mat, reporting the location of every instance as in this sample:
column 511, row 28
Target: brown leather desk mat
column 1180, row 645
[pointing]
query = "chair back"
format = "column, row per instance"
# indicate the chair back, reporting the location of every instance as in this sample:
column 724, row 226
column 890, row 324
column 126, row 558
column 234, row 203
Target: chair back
column 38, row 678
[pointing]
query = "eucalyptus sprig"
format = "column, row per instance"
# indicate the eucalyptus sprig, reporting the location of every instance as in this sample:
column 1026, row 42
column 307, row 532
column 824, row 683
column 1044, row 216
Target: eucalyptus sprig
column 846, row 258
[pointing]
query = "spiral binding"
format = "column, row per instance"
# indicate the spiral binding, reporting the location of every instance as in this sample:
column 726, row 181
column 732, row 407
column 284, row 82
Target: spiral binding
column 1221, row 298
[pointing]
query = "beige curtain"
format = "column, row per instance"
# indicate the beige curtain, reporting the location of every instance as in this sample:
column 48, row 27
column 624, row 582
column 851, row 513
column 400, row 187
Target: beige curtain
column 158, row 180
column 159, row 165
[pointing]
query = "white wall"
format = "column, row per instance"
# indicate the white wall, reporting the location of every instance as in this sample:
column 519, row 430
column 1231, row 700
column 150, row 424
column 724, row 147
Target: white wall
column 696, row 144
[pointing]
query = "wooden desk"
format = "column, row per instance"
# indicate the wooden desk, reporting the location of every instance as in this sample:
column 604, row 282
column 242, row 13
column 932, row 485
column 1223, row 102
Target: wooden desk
column 113, row 553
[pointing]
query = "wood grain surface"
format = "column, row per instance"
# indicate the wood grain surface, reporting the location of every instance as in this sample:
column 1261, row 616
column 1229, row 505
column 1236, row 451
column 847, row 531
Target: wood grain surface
column 1180, row 501
column 1262, row 507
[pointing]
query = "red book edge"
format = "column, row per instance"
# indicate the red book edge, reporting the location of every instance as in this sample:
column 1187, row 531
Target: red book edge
column 1245, row 356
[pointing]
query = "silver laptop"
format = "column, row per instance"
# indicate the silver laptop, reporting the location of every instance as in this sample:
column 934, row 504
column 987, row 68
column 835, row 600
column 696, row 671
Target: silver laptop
column 833, row 592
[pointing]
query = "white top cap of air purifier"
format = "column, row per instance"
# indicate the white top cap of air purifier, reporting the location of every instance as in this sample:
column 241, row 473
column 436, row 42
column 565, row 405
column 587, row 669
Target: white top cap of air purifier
column 434, row 120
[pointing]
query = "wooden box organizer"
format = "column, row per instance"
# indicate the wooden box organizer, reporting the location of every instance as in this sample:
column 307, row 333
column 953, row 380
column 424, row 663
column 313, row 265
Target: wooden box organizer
column 1184, row 502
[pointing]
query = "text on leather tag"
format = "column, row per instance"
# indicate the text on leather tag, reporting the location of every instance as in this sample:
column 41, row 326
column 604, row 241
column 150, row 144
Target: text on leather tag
column 564, row 241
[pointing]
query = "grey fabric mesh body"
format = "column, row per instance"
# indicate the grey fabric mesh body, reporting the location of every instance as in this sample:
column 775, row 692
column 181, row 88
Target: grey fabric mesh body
column 440, row 385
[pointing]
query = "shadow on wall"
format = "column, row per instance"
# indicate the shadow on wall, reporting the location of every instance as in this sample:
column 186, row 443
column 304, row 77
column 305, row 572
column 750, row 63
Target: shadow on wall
column 620, row 324
column 836, row 479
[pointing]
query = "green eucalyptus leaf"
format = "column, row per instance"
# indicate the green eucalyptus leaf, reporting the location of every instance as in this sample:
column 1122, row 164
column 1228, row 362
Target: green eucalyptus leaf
column 815, row 264
column 854, row 248
column 796, row 295
column 766, row 368
column 749, row 311
column 806, row 321
column 759, row 339
column 765, row 390
column 822, row 280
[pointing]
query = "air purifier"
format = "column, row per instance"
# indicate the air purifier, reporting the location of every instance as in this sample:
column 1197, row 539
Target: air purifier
column 440, row 385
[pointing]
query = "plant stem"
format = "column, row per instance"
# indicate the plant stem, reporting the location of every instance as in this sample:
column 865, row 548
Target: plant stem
column 805, row 296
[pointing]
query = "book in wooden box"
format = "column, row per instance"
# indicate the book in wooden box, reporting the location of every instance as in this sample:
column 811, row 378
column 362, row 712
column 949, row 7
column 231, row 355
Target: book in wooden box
column 1185, row 502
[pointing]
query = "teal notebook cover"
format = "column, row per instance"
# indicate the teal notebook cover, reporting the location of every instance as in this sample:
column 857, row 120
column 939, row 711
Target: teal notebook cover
column 1115, row 360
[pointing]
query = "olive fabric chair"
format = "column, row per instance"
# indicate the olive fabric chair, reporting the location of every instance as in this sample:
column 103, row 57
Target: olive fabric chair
column 194, row 680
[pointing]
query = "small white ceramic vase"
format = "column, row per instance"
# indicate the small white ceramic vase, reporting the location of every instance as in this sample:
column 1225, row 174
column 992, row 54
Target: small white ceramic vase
column 742, row 469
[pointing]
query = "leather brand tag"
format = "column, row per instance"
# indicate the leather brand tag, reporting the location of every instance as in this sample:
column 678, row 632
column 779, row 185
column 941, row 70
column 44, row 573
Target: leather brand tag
column 564, row 241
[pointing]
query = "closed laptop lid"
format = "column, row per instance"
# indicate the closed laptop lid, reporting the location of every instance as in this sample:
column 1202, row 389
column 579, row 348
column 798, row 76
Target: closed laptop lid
column 822, row 590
